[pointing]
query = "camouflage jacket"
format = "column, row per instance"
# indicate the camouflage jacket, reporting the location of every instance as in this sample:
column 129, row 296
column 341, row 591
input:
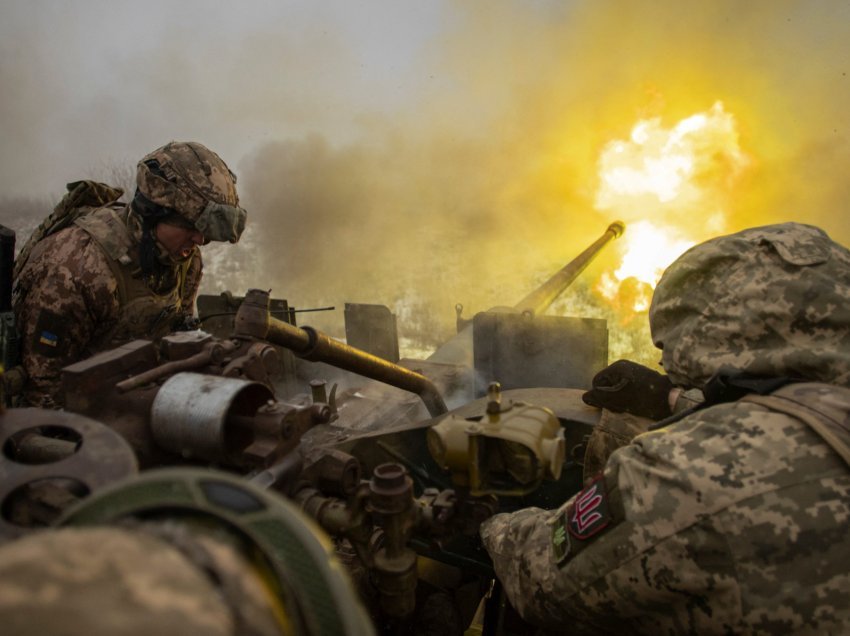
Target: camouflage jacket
column 731, row 521
column 81, row 291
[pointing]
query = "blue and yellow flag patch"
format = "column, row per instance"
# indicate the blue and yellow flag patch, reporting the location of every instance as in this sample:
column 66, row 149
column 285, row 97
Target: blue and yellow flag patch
column 49, row 339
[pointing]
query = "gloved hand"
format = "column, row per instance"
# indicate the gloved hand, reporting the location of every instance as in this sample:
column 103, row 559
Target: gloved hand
column 631, row 387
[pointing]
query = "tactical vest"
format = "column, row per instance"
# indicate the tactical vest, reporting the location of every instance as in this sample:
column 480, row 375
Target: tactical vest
column 82, row 197
column 143, row 313
column 824, row 407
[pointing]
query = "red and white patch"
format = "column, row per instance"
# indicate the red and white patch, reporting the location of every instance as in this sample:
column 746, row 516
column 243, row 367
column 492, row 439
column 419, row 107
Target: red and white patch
column 589, row 513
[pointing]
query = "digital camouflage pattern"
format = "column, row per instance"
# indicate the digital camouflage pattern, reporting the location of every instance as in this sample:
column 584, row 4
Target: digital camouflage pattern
column 734, row 519
column 69, row 303
column 80, row 199
column 771, row 301
column 108, row 580
column 611, row 432
column 187, row 177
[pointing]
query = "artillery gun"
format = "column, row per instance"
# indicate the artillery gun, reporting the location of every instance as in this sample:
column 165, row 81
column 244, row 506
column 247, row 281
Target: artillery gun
column 397, row 478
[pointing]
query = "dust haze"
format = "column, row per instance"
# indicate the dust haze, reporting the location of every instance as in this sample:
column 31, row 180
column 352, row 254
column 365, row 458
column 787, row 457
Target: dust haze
column 423, row 157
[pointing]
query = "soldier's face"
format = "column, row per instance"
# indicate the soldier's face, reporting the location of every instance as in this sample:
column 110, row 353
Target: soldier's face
column 178, row 240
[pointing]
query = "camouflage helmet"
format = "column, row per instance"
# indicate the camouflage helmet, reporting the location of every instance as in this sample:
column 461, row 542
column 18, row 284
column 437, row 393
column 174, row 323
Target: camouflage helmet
column 771, row 301
column 194, row 182
column 106, row 580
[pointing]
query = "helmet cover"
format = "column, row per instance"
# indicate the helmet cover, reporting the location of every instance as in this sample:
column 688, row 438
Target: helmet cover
column 194, row 181
column 770, row 301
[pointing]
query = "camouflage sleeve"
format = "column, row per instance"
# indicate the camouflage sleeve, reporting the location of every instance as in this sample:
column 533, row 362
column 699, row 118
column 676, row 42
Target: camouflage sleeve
column 519, row 544
column 192, row 284
column 64, row 295
column 529, row 548
column 694, row 529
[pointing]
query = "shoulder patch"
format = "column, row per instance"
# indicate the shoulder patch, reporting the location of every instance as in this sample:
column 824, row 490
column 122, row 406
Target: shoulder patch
column 587, row 514
column 560, row 539
column 590, row 512
column 51, row 335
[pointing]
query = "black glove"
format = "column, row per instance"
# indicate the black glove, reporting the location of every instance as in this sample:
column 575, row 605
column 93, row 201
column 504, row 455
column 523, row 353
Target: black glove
column 631, row 387
column 187, row 323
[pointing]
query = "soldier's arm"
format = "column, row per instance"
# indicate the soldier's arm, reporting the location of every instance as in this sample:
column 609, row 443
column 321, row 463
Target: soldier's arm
column 69, row 293
column 640, row 548
column 583, row 566
column 193, row 282
column 533, row 550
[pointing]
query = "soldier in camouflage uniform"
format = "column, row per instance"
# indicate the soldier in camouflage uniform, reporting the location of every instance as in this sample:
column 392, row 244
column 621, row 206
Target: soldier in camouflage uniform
column 121, row 271
column 733, row 519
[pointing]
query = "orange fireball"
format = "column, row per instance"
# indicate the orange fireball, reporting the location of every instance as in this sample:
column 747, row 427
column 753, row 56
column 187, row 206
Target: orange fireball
column 672, row 187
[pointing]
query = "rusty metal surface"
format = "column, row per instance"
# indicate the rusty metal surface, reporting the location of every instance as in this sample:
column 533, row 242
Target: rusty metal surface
column 190, row 414
column 217, row 314
column 257, row 361
column 213, row 352
column 392, row 506
column 332, row 471
column 87, row 382
column 390, row 489
column 183, row 344
column 100, row 458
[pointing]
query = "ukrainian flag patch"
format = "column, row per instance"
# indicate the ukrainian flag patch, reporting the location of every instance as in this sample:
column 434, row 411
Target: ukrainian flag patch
column 49, row 339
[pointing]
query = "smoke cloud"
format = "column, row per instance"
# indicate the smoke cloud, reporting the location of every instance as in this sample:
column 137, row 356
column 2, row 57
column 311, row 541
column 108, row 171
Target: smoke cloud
column 423, row 156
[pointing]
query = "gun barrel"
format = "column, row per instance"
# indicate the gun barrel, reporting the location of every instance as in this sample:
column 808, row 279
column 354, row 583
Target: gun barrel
column 539, row 300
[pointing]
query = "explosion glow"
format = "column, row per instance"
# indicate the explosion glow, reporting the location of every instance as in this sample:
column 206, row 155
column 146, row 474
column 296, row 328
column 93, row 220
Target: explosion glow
column 649, row 249
column 670, row 185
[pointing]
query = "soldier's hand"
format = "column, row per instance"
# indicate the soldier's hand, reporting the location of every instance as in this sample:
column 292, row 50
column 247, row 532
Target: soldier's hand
column 629, row 387
column 188, row 323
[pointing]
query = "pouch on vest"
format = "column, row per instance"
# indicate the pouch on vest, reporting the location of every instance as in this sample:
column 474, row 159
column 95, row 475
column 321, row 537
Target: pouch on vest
column 82, row 197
